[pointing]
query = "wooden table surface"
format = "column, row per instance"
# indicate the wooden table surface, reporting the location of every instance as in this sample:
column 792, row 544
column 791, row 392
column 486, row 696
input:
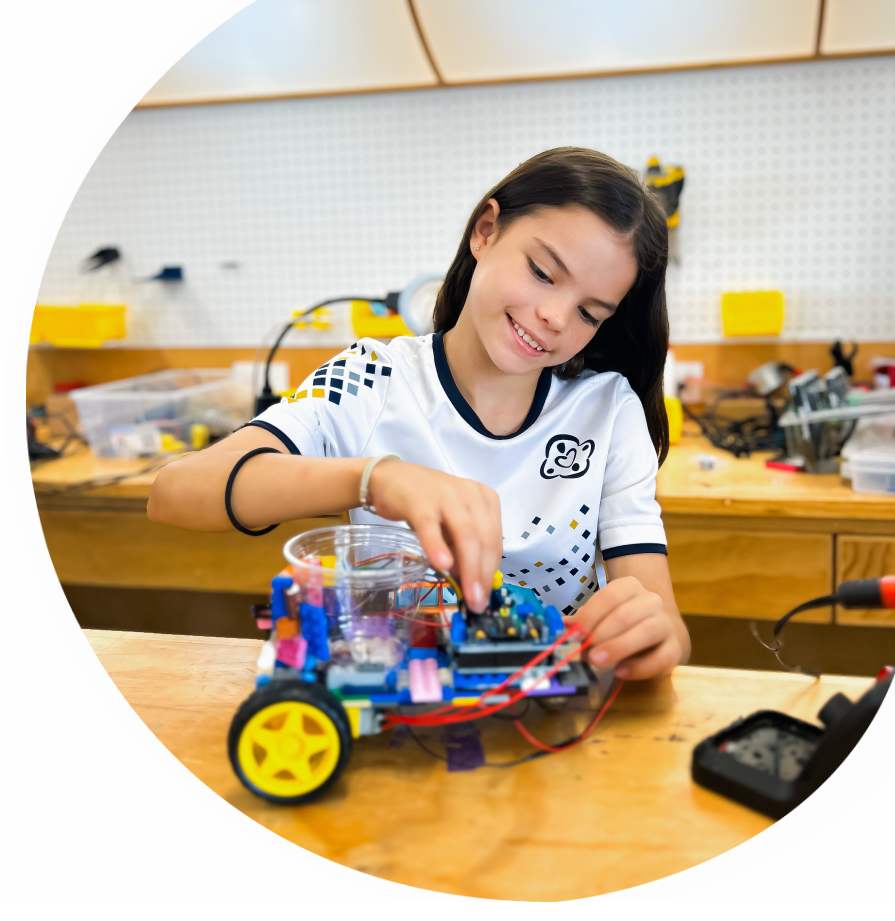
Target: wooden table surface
column 737, row 486
column 615, row 812
column 746, row 487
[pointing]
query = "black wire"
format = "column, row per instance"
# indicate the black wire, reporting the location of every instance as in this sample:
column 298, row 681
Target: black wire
column 531, row 756
column 820, row 602
column 740, row 437
column 293, row 321
column 805, row 606
column 492, row 764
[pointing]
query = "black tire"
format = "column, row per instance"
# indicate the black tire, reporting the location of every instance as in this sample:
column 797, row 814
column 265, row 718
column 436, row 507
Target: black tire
column 288, row 691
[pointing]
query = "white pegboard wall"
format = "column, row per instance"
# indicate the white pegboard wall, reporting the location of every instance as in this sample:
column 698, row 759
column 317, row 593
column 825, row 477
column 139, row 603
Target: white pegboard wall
column 790, row 184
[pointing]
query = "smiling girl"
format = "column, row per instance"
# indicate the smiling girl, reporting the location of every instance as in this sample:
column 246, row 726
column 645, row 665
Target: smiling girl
column 526, row 432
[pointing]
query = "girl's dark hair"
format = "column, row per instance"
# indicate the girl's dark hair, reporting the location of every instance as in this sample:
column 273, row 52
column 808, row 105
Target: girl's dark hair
column 634, row 341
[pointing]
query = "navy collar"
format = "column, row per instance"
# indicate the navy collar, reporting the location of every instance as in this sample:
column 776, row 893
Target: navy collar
column 467, row 412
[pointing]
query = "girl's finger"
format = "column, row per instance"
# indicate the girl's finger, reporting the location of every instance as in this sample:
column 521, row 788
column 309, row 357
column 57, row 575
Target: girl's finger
column 601, row 604
column 658, row 661
column 626, row 616
column 466, row 544
column 491, row 531
column 647, row 633
column 428, row 530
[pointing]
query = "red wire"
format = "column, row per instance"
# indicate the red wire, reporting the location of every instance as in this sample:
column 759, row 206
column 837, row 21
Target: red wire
column 561, row 748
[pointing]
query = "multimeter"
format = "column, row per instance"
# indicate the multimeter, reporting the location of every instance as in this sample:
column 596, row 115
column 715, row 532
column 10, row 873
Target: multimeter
column 771, row 762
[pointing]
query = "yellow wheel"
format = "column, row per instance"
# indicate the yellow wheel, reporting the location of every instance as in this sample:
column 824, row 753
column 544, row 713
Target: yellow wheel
column 289, row 741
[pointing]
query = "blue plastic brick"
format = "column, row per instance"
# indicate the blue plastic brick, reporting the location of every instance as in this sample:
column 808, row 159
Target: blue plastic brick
column 261, row 680
column 391, row 679
column 474, row 682
column 554, row 621
column 313, row 629
column 387, row 697
column 458, row 629
column 423, row 654
column 523, row 609
column 278, row 586
column 442, row 659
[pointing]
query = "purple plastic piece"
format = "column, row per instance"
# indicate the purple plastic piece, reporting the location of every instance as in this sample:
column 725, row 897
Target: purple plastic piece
column 464, row 748
column 554, row 688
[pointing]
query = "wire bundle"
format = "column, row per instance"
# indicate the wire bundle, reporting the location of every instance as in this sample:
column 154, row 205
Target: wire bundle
column 739, row 436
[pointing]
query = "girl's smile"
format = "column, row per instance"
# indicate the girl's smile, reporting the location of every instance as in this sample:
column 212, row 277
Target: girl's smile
column 528, row 343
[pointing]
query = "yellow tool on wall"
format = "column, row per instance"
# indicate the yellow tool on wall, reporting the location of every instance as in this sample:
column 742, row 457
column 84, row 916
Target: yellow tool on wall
column 667, row 183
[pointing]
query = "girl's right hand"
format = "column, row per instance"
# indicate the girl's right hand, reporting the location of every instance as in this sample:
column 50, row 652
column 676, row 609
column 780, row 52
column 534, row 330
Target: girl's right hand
column 456, row 520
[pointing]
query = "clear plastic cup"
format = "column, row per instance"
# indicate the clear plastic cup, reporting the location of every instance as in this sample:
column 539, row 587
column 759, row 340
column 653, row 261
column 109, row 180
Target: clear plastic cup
column 369, row 579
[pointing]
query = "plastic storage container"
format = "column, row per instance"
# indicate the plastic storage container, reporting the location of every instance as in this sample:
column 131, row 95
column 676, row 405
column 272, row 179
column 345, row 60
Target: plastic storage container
column 154, row 412
column 873, row 470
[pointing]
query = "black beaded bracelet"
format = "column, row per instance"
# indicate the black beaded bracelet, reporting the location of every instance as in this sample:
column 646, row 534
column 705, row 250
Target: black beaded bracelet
column 228, row 505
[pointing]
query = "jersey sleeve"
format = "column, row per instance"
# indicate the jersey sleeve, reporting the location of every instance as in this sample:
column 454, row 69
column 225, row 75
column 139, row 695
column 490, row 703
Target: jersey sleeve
column 630, row 517
column 334, row 411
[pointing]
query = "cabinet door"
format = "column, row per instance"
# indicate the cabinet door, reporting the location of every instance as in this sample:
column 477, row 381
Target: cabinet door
column 754, row 574
column 864, row 558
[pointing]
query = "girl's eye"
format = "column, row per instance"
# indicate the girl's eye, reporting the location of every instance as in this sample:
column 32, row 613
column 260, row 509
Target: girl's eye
column 538, row 273
column 592, row 321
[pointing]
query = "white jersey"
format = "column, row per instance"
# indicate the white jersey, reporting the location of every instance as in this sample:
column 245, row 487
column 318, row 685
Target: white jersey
column 576, row 480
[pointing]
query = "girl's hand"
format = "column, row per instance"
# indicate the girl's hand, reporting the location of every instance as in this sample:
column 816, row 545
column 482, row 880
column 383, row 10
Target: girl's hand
column 633, row 630
column 456, row 520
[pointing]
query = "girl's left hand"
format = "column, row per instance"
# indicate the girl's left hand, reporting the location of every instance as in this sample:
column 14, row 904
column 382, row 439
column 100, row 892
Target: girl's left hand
column 632, row 630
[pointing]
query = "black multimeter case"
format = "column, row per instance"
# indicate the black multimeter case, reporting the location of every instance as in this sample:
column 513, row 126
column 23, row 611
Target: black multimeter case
column 771, row 762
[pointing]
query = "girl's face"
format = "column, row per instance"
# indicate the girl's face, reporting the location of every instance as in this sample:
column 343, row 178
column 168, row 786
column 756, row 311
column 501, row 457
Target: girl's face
column 544, row 284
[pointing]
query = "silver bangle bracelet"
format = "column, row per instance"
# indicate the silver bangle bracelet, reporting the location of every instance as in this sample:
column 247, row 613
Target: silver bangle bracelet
column 365, row 480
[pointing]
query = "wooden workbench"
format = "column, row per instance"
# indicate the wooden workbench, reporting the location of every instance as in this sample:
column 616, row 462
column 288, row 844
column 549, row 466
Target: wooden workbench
column 751, row 542
column 615, row 812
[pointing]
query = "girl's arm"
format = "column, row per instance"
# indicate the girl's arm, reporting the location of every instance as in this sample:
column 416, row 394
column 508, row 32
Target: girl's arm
column 456, row 520
column 637, row 626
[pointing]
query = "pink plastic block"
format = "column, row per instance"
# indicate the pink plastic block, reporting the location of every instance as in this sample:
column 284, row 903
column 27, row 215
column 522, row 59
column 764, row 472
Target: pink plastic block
column 292, row 651
column 312, row 582
column 425, row 688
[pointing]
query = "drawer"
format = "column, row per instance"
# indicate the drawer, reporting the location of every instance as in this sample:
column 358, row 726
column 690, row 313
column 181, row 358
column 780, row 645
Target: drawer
column 754, row 574
column 126, row 549
column 864, row 558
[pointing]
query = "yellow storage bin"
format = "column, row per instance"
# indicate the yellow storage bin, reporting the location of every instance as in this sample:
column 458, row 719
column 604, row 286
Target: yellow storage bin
column 675, row 413
column 752, row 313
column 87, row 326
column 367, row 323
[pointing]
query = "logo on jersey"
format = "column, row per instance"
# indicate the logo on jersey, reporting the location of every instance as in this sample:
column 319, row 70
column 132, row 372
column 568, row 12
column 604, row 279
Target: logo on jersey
column 567, row 457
